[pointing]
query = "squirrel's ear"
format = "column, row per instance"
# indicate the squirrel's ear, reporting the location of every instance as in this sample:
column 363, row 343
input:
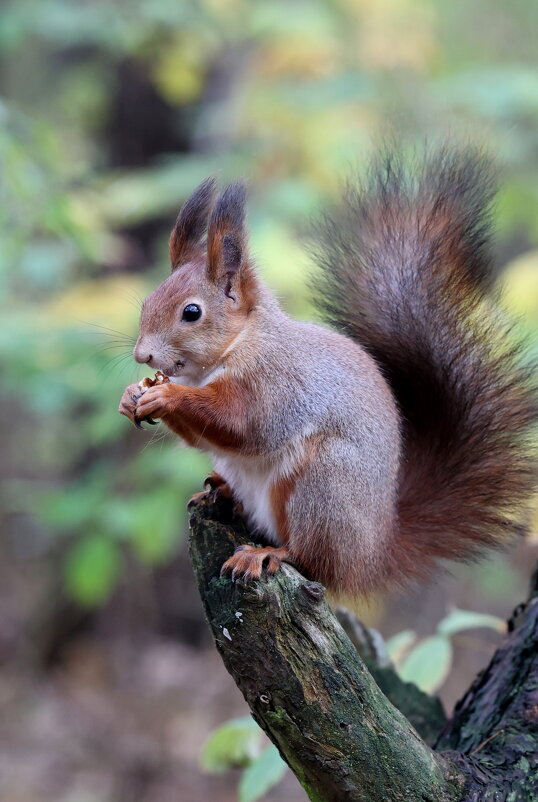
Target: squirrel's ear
column 191, row 223
column 226, row 236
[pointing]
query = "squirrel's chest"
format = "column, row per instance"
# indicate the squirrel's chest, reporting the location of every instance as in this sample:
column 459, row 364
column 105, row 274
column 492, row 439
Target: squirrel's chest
column 253, row 481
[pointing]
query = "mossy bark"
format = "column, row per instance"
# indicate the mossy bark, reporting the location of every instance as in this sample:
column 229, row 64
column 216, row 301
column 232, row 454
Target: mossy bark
column 340, row 717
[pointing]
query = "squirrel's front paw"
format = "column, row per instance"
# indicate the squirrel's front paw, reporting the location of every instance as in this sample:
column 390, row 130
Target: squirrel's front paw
column 128, row 403
column 157, row 401
column 249, row 561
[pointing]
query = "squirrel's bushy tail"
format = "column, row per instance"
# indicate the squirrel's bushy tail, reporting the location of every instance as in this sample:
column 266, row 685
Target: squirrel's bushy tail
column 405, row 271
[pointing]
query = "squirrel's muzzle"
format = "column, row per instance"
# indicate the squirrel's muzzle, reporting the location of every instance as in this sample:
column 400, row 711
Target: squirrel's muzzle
column 142, row 352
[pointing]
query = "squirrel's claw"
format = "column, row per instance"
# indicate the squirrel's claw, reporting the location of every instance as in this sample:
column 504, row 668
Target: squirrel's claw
column 138, row 423
column 214, row 483
column 249, row 561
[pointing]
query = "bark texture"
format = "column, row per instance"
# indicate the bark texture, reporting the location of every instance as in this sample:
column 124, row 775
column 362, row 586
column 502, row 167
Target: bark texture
column 344, row 722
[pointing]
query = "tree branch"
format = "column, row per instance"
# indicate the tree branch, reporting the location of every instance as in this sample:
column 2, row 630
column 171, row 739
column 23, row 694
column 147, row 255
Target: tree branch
column 325, row 698
column 424, row 712
column 305, row 682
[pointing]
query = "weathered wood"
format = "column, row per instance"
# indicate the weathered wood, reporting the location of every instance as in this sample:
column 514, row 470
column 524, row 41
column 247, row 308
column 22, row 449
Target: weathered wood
column 309, row 688
column 424, row 712
column 305, row 683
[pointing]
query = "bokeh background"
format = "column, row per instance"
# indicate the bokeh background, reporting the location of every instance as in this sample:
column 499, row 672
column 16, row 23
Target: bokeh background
column 110, row 113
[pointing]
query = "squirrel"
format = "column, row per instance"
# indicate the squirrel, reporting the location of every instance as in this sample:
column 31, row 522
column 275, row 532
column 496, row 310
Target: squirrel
column 363, row 453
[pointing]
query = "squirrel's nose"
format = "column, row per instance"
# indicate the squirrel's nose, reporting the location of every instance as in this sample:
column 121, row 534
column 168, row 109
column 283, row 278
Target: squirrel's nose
column 142, row 355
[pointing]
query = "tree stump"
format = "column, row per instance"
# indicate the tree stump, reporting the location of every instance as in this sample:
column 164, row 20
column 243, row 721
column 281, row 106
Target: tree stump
column 347, row 726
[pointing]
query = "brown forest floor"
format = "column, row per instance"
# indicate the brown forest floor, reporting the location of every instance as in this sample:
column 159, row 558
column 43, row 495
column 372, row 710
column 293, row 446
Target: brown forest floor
column 115, row 726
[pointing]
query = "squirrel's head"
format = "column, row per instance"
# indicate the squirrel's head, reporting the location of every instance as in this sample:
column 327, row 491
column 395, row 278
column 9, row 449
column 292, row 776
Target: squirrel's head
column 193, row 317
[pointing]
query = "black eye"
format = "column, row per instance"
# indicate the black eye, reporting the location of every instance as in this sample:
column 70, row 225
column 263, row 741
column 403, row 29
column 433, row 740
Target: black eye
column 191, row 312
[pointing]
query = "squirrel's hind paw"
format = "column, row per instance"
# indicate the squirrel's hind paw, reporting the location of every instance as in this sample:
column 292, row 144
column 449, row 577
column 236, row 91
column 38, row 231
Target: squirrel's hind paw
column 249, row 561
column 220, row 489
column 214, row 484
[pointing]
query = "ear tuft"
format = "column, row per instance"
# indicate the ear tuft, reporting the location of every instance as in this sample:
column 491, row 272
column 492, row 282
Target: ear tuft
column 226, row 236
column 191, row 224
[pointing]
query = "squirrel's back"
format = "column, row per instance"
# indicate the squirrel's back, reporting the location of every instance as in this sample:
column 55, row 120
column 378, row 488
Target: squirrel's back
column 406, row 273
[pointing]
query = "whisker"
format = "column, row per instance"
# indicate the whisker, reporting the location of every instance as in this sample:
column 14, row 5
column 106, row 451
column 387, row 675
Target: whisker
column 200, row 436
column 115, row 364
column 156, row 437
column 107, row 330
column 110, row 343
column 104, row 348
column 132, row 297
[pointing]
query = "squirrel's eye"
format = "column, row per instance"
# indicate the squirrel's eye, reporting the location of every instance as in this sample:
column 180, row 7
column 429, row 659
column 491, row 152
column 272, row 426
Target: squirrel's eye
column 191, row 312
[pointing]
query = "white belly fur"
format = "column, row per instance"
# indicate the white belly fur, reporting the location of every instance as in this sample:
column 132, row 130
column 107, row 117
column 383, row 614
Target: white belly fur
column 251, row 479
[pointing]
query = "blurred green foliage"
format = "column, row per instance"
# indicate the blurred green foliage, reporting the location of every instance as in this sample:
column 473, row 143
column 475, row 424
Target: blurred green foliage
column 240, row 743
column 427, row 661
column 233, row 745
column 110, row 113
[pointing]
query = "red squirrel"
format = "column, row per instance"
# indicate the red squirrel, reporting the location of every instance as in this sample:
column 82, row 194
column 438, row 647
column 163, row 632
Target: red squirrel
column 366, row 452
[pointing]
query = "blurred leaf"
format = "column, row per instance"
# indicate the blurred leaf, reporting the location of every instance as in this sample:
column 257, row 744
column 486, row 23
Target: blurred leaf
column 91, row 569
column 262, row 774
column 65, row 511
column 156, row 523
column 398, row 645
column 457, row 620
column 233, row 745
column 428, row 664
column 185, row 466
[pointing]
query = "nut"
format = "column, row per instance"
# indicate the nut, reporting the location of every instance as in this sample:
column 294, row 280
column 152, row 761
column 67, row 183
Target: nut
column 159, row 378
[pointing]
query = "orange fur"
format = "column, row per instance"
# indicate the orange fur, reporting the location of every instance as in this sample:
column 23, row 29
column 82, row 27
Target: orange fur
column 213, row 413
column 282, row 489
column 280, row 494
